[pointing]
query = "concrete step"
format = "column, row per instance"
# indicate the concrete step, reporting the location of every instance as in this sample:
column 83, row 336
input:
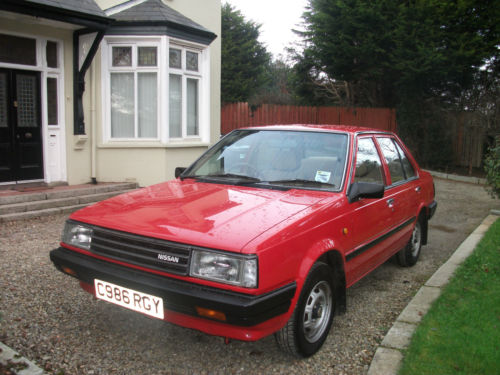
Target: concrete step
column 38, row 208
column 64, row 193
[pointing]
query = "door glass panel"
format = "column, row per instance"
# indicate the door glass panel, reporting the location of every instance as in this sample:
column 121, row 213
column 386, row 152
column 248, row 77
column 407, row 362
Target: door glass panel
column 192, row 106
column 17, row 50
column 368, row 165
column 27, row 104
column 122, row 105
column 147, row 104
column 3, row 100
column 408, row 168
column 52, row 101
column 175, row 106
column 51, row 53
column 392, row 158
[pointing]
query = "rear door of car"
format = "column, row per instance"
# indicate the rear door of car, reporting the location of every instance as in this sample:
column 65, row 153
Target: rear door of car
column 403, row 188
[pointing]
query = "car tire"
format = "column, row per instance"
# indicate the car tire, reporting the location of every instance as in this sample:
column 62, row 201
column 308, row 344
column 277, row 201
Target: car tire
column 308, row 327
column 408, row 256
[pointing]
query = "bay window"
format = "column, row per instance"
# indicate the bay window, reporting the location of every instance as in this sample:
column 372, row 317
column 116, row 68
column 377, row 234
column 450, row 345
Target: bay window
column 134, row 91
column 184, row 81
column 154, row 90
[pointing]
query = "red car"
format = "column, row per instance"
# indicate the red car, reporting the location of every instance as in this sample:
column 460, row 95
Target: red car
column 261, row 235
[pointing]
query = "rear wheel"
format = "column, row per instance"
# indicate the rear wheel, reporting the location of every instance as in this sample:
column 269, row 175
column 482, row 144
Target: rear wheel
column 308, row 327
column 408, row 256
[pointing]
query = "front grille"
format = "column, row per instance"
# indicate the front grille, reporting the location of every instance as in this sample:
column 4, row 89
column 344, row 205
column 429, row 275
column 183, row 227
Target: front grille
column 142, row 251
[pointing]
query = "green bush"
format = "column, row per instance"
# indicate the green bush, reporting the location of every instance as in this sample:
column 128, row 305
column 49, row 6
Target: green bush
column 492, row 168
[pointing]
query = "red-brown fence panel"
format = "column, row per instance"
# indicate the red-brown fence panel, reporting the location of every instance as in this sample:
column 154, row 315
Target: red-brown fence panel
column 238, row 115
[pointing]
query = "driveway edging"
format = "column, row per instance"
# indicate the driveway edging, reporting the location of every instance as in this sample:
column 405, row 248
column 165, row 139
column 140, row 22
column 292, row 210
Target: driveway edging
column 388, row 357
column 9, row 355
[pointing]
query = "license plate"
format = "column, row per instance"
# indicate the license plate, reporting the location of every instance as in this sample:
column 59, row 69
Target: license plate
column 129, row 298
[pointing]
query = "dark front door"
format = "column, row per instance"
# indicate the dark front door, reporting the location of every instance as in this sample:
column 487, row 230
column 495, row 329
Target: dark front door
column 20, row 126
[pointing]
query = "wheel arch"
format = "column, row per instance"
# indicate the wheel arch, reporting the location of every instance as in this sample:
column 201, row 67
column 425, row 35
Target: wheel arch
column 335, row 261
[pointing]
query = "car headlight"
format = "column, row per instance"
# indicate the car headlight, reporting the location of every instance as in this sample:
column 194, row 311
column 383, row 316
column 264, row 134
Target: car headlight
column 77, row 235
column 229, row 269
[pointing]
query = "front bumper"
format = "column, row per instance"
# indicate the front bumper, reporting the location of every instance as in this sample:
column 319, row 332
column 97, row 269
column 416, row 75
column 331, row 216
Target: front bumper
column 179, row 296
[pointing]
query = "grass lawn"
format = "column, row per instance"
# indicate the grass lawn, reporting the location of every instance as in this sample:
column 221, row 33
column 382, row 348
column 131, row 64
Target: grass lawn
column 461, row 332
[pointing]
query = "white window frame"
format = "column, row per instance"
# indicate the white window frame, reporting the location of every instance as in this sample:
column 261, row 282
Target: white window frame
column 185, row 75
column 108, row 69
column 163, row 43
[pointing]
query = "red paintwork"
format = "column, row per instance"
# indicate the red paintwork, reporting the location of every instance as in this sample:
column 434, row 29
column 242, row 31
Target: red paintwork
column 288, row 230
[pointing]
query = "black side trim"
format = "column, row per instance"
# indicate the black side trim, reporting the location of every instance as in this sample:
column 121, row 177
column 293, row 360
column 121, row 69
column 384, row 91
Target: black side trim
column 368, row 246
column 180, row 296
column 431, row 210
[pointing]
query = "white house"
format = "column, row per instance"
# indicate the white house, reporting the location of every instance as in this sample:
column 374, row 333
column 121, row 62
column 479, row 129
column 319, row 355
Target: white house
column 107, row 90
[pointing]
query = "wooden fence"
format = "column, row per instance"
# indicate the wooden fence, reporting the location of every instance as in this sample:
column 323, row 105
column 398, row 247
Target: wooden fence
column 238, row 115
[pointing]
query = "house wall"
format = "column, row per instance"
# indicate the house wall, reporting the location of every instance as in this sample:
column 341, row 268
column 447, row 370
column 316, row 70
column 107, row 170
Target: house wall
column 145, row 164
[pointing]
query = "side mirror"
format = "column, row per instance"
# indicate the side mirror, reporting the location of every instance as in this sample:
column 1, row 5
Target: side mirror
column 360, row 190
column 179, row 171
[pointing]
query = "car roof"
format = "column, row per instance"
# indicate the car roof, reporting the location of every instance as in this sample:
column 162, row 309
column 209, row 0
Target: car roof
column 315, row 127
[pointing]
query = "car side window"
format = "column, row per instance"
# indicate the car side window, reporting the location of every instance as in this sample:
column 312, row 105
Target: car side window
column 368, row 164
column 391, row 156
column 407, row 167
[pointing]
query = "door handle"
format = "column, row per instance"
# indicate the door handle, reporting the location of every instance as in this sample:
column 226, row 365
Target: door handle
column 390, row 202
column 417, row 189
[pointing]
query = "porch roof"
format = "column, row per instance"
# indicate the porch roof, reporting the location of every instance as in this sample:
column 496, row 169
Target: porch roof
column 79, row 12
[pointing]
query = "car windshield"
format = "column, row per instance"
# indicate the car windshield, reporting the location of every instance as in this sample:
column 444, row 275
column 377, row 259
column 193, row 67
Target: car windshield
column 298, row 159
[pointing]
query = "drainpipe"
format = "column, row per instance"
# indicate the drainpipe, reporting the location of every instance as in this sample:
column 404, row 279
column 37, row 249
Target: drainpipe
column 93, row 118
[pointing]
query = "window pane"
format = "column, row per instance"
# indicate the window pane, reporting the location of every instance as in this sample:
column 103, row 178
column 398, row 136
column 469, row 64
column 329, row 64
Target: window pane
column 407, row 167
column 122, row 105
column 368, row 165
column 147, row 105
column 3, row 100
column 122, row 56
column 192, row 61
column 52, row 101
column 175, row 58
column 27, row 101
column 192, row 106
column 17, row 50
column 51, row 53
column 392, row 158
column 147, row 56
column 175, row 106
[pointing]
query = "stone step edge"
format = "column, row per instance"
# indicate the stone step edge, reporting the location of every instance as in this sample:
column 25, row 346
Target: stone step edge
column 59, row 202
column 57, row 194
column 45, row 212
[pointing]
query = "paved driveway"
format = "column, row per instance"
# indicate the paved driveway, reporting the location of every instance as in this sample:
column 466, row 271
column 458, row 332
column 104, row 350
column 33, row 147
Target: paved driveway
column 47, row 318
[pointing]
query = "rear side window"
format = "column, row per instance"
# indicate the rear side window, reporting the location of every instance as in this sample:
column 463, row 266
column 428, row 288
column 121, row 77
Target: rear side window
column 407, row 167
column 368, row 165
column 400, row 167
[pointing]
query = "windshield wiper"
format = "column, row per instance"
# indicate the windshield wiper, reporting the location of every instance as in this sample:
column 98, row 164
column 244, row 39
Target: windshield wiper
column 298, row 181
column 240, row 178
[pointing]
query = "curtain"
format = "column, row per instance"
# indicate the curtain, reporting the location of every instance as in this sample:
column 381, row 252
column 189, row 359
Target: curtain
column 122, row 105
column 147, row 105
column 192, row 106
column 175, row 106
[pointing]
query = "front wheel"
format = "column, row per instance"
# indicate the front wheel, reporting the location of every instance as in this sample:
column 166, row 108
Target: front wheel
column 308, row 327
column 408, row 256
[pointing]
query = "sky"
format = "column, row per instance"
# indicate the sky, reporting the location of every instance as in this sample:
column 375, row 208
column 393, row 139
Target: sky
column 277, row 17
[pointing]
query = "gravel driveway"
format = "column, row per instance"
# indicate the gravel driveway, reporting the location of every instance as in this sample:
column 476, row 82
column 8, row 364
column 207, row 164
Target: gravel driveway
column 46, row 317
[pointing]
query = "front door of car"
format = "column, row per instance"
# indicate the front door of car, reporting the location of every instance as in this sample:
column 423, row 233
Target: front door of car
column 370, row 220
